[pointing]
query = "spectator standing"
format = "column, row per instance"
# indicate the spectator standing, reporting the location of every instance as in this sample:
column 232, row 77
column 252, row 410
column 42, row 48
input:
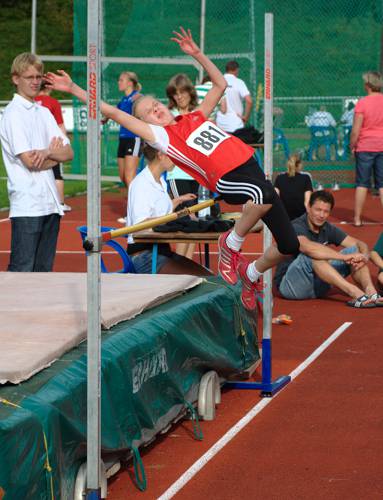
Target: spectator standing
column 32, row 143
column 128, row 153
column 202, row 89
column 366, row 141
column 129, row 143
column 45, row 99
column 183, row 99
column 294, row 187
column 313, row 272
column 148, row 198
column 237, row 101
column 377, row 258
column 348, row 116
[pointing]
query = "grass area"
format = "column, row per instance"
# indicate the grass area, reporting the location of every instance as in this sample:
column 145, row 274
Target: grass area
column 72, row 187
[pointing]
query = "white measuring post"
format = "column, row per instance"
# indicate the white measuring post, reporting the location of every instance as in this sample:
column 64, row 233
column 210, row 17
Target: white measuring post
column 270, row 387
column 268, row 169
column 93, row 259
column 267, row 386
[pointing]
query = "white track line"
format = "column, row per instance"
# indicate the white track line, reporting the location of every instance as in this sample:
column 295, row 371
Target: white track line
column 69, row 252
column 231, row 433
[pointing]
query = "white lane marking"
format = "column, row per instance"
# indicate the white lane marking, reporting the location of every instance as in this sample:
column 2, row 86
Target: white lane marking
column 231, row 433
column 70, row 252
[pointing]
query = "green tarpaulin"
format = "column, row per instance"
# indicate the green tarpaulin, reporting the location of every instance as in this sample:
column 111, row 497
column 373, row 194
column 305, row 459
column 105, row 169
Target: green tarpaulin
column 151, row 366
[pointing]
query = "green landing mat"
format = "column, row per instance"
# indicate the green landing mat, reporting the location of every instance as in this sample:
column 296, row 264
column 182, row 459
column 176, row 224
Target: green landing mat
column 151, row 368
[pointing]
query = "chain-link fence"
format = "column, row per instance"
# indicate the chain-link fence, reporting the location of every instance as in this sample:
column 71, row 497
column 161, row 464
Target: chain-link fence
column 142, row 30
column 321, row 49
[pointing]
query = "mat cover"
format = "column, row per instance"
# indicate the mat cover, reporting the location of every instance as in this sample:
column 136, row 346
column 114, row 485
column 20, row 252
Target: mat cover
column 43, row 315
column 151, row 366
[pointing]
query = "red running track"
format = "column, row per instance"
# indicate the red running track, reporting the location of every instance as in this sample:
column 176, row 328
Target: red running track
column 321, row 437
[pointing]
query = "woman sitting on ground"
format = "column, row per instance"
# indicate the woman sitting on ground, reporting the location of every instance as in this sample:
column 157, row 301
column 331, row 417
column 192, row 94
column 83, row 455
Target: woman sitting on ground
column 148, row 198
column 294, row 187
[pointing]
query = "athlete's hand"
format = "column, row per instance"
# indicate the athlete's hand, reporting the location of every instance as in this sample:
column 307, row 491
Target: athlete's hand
column 186, row 42
column 59, row 81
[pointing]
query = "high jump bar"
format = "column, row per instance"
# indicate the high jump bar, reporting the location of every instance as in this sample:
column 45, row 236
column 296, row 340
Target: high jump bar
column 95, row 244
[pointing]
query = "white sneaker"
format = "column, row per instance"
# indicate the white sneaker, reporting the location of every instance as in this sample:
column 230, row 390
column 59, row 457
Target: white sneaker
column 66, row 207
column 122, row 220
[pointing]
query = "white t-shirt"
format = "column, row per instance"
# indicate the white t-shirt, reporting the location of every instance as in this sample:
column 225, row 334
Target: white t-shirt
column 147, row 199
column 348, row 118
column 321, row 119
column 235, row 93
column 26, row 126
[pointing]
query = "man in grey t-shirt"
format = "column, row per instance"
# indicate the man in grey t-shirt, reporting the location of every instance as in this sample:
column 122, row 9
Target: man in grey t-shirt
column 317, row 268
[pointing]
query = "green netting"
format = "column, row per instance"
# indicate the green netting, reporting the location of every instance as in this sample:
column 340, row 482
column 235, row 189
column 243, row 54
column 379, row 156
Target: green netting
column 143, row 29
column 321, row 49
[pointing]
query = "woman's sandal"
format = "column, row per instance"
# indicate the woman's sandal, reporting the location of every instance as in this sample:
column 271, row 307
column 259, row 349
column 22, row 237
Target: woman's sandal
column 363, row 302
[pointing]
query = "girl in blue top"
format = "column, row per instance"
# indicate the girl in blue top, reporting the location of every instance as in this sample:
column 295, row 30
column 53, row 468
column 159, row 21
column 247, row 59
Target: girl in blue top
column 129, row 143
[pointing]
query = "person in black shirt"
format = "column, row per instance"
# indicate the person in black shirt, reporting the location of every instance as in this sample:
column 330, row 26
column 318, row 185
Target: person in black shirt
column 294, row 187
column 312, row 272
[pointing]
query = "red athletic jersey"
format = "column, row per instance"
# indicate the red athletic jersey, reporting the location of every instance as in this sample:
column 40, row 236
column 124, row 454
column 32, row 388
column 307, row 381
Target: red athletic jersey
column 203, row 150
column 53, row 105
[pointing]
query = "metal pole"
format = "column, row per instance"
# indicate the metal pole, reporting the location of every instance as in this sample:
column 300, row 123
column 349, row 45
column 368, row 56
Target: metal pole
column 94, row 270
column 267, row 386
column 268, row 167
column 202, row 35
column 33, row 27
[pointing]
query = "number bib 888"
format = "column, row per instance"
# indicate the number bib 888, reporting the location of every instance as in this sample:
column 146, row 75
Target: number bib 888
column 206, row 138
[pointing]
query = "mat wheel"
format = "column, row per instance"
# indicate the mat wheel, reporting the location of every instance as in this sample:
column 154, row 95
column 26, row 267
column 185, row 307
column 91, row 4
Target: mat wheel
column 209, row 395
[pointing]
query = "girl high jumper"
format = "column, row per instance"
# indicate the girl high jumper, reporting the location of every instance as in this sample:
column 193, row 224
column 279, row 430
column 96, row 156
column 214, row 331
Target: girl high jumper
column 216, row 159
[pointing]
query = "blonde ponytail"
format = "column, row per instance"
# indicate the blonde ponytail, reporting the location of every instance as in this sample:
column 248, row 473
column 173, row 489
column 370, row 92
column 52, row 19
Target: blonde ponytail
column 294, row 165
column 134, row 79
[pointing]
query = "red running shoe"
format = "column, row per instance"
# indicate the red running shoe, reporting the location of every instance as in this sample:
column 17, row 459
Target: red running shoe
column 251, row 291
column 227, row 260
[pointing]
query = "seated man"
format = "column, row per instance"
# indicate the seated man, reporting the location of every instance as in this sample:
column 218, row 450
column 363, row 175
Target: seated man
column 312, row 272
column 377, row 258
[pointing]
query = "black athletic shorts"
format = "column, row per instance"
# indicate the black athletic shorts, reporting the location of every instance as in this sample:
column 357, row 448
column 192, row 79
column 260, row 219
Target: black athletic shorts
column 248, row 182
column 128, row 146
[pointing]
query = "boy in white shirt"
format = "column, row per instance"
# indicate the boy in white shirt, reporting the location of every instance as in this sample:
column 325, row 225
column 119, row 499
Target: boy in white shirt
column 32, row 143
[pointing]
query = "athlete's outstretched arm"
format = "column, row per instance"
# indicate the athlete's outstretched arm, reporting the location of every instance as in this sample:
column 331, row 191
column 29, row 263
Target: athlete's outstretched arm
column 63, row 82
column 188, row 46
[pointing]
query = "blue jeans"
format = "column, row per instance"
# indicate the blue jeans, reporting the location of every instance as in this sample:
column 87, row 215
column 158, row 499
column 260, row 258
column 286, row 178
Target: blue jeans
column 366, row 164
column 300, row 282
column 33, row 243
